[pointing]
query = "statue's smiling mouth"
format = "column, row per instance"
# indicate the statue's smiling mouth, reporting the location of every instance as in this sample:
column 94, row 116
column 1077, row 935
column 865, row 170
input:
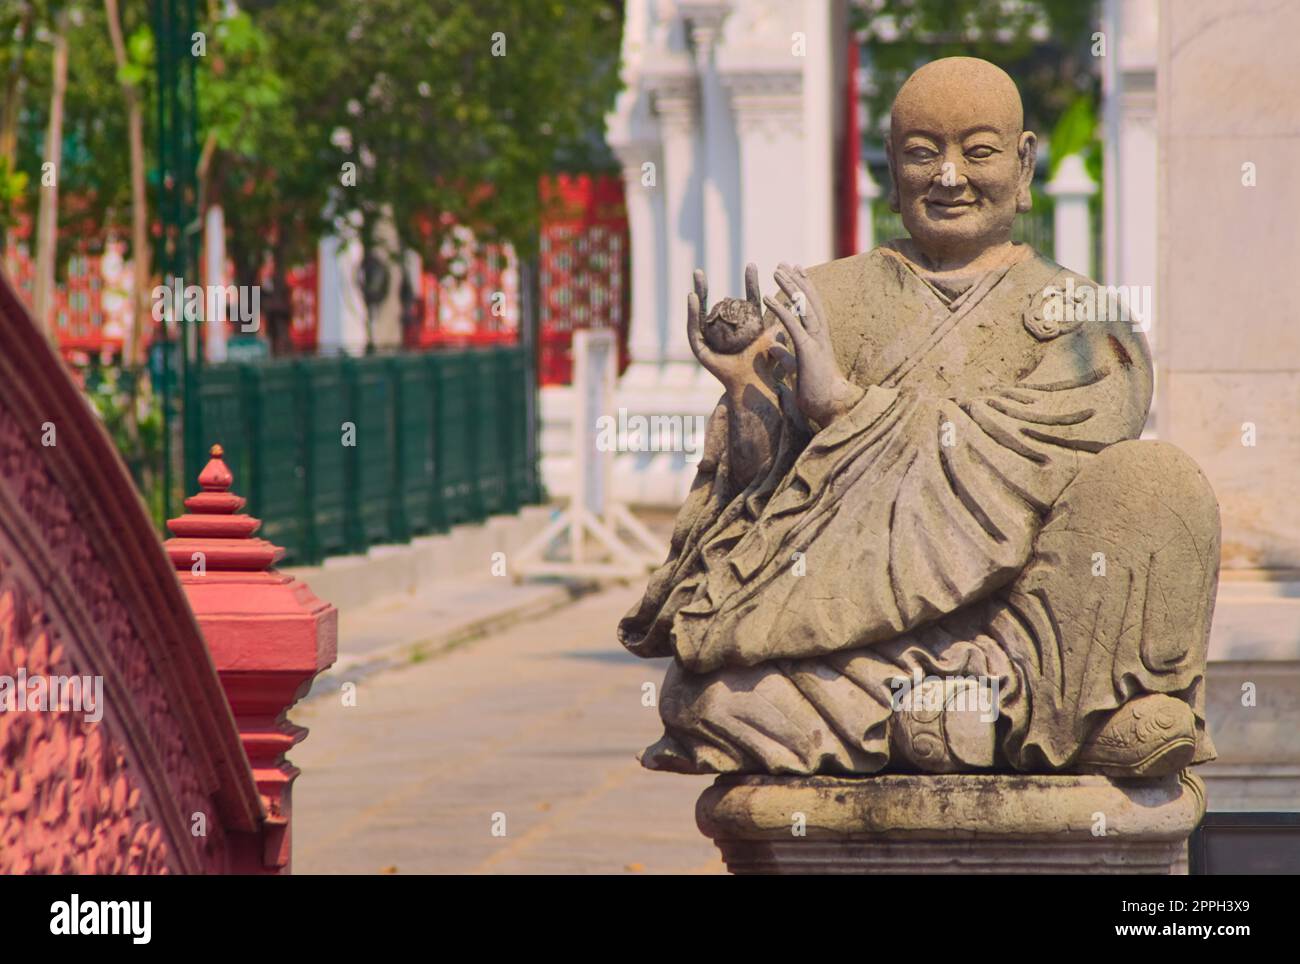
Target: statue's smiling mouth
column 945, row 209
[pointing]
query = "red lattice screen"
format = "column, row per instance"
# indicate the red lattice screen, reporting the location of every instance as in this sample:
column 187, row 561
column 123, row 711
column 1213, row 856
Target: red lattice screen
column 92, row 302
column 304, row 324
column 583, row 281
column 476, row 304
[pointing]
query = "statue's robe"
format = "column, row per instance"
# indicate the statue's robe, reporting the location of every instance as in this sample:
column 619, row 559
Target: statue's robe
column 905, row 538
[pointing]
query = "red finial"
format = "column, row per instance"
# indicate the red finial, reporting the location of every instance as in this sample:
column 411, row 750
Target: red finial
column 216, row 475
column 214, row 526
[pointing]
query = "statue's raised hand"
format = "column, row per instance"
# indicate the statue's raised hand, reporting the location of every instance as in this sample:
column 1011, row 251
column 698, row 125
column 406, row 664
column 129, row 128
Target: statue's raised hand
column 823, row 393
column 730, row 341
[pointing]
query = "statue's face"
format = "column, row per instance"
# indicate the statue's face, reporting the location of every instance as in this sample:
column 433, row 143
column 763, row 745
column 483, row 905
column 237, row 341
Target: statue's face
column 962, row 167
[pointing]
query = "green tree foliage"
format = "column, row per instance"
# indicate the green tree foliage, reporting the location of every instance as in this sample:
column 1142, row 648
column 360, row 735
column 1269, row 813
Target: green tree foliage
column 19, row 22
column 440, row 107
column 1076, row 133
column 94, row 170
column 450, row 112
column 1046, row 45
column 332, row 115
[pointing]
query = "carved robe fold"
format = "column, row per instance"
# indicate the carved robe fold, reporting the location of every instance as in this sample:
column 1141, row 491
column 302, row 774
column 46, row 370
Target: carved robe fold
column 907, row 537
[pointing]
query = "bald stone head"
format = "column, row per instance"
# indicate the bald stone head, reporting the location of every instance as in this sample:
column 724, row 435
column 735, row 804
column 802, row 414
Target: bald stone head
column 960, row 159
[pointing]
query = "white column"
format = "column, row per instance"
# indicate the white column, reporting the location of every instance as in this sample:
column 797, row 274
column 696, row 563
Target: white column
column 356, row 314
column 339, row 303
column 1129, row 115
column 214, row 273
column 770, row 127
column 822, row 75
column 645, row 339
column 868, row 191
column 329, row 297
column 677, row 107
column 1072, row 224
column 1130, row 200
column 717, row 139
column 1229, row 359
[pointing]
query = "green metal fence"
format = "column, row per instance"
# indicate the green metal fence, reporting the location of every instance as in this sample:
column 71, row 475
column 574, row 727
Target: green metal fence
column 338, row 454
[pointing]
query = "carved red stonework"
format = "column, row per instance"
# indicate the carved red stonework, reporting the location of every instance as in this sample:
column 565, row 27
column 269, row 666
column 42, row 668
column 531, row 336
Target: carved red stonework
column 268, row 634
column 163, row 782
column 85, row 589
column 69, row 800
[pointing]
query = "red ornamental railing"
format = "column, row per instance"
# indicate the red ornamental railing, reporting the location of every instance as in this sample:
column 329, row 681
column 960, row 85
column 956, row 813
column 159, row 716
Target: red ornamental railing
column 167, row 755
column 583, row 284
column 478, row 304
column 304, row 324
column 92, row 303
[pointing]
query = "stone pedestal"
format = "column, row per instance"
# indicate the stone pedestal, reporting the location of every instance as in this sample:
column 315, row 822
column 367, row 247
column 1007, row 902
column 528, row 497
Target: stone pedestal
column 952, row 824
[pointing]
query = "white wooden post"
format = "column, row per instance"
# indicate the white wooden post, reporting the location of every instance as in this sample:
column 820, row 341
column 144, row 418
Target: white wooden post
column 1072, row 226
column 592, row 510
column 214, row 270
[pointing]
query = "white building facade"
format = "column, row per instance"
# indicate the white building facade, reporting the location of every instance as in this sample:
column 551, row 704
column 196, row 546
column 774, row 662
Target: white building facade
column 727, row 131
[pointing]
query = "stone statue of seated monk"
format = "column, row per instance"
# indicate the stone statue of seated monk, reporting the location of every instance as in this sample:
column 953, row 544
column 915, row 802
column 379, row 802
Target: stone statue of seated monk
column 923, row 536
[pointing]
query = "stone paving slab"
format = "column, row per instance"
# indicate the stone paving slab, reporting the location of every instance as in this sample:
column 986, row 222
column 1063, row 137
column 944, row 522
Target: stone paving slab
column 426, row 563
column 539, row 722
column 399, row 629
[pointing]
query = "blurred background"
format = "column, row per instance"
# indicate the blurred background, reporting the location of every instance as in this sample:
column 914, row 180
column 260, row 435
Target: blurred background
column 413, row 180
column 411, row 206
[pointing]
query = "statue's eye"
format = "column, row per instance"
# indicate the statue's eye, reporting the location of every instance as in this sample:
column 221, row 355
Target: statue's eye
column 921, row 153
column 981, row 151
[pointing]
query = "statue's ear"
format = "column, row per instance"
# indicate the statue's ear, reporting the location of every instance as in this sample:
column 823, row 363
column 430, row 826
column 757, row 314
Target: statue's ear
column 892, row 197
column 1028, row 151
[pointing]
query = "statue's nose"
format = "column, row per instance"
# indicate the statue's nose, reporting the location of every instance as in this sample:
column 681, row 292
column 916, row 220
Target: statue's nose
column 951, row 173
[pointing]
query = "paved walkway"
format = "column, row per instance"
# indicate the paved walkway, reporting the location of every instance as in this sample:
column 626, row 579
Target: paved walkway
column 404, row 628
column 535, row 726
